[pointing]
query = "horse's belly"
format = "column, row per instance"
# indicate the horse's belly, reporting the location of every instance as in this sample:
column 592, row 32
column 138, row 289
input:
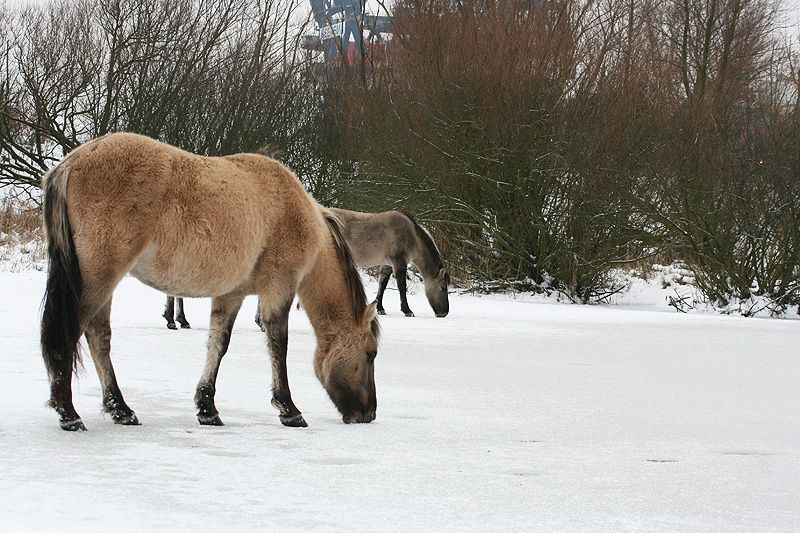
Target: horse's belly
column 370, row 258
column 196, row 273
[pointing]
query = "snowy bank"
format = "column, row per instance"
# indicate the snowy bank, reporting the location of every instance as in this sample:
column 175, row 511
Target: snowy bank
column 508, row 415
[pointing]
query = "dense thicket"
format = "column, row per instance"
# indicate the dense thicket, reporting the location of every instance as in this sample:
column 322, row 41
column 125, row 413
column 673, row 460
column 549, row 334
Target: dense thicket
column 544, row 142
column 549, row 142
column 211, row 76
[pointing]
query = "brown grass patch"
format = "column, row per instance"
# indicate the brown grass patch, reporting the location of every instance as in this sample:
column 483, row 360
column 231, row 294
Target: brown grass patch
column 19, row 222
column 22, row 244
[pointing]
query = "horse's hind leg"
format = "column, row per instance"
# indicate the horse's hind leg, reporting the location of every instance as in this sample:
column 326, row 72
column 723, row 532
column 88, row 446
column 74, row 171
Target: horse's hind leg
column 277, row 328
column 169, row 311
column 61, row 400
column 98, row 336
column 180, row 317
column 400, row 271
column 383, row 281
column 223, row 314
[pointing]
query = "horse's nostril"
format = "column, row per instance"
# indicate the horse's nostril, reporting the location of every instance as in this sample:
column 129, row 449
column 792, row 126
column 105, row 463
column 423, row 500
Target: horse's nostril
column 366, row 418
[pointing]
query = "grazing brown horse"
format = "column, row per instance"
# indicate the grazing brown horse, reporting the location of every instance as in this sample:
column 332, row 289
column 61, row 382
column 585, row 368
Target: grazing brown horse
column 219, row 227
column 173, row 310
column 392, row 240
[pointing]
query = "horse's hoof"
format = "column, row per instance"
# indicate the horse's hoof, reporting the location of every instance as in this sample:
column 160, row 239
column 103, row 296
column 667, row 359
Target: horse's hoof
column 171, row 325
column 185, row 325
column 72, row 425
column 296, row 421
column 210, row 420
column 381, row 311
column 126, row 419
column 408, row 313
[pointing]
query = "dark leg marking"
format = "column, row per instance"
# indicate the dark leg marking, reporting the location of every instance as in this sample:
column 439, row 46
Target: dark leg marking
column 169, row 311
column 115, row 405
column 181, row 317
column 259, row 323
column 61, row 401
column 223, row 315
column 207, row 413
column 277, row 327
column 400, row 276
column 383, row 281
column 98, row 336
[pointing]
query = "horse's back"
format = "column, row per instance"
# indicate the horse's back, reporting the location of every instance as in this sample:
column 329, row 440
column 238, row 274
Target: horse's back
column 379, row 238
column 185, row 224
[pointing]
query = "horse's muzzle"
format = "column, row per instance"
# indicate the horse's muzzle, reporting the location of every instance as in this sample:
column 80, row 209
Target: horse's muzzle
column 364, row 418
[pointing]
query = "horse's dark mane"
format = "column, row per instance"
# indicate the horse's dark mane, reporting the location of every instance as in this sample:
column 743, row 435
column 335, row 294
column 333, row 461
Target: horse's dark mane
column 355, row 287
column 426, row 239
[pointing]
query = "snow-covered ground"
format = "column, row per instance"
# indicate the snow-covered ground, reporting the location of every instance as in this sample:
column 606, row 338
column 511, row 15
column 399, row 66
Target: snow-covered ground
column 508, row 415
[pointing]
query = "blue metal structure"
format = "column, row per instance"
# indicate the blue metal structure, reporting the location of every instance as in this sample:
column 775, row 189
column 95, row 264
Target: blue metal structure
column 340, row 20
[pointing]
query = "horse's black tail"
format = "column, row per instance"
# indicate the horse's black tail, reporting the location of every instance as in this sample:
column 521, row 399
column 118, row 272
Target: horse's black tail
column 60, row 319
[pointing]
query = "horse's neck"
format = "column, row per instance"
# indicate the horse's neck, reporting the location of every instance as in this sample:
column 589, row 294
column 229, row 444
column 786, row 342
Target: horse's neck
column 427, row 263
column 323, row 293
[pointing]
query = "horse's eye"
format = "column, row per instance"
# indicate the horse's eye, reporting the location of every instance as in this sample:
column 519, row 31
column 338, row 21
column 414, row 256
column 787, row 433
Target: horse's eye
column 372, row 355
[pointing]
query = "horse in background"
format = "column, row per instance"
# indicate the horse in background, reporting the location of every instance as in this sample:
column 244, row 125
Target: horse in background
column 392, row 240
column 187, row 225
column 173, row 310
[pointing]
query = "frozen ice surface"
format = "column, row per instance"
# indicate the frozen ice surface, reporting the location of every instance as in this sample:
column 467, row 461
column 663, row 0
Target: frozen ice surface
column 511, row 414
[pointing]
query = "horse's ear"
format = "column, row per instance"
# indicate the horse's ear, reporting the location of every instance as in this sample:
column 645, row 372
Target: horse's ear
column 371, row 311
column 442, row 274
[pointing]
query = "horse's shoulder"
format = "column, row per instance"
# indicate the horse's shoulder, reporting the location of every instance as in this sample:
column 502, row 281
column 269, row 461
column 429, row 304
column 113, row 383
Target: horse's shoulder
column 399, row 219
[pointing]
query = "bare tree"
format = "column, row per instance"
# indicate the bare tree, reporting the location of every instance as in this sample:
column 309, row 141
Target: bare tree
column 212, row 76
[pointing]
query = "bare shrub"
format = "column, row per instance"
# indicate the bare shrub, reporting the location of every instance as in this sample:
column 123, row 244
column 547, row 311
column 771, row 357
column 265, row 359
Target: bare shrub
column 213, row 77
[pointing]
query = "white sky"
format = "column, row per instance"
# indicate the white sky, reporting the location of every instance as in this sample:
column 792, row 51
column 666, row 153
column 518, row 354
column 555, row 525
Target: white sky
column 792, row 7
column 793, row 14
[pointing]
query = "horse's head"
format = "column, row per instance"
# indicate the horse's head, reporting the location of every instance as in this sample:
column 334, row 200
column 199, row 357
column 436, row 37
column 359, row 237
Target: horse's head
column 345, row 365
column 436, row 291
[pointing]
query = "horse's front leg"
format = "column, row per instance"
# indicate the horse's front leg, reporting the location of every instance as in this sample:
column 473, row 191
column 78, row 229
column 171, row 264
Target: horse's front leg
column 277, row 328
column 400, row 272
column 383, row 281
column 223, row 313
column 180, row 316
column 169, row 311
column 259, row 323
